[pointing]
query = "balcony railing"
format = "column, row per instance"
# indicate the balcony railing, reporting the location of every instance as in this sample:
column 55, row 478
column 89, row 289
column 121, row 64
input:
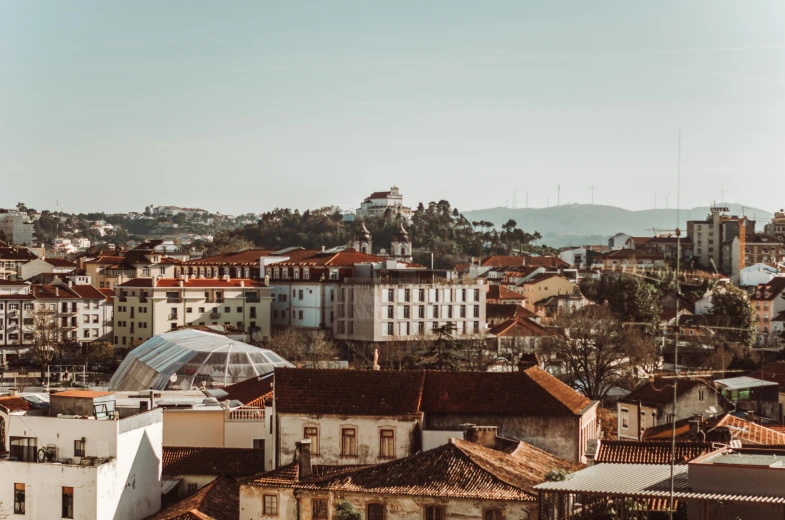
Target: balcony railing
column 174, row 300
column 215, row 315
column 172, row 317
column 247, row 414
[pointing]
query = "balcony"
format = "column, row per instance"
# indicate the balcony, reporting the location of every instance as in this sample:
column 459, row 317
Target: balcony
column 172, row 317
column 247, row 414
column 170, row 299
column 215, row 315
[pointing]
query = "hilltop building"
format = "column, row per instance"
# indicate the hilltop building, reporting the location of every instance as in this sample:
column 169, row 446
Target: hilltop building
column 379, row 202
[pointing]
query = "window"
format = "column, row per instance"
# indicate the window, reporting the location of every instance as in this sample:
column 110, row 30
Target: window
column 300, row 294
column 625, row 419
column 24, row 449
column 390, row 312
column 227, row 309
column 193, row 487
column 406, row 312
column 492, row 514
column 390, row 295
column 421, row 295
column 391, row 329
column 407, row 295
column 375, row 512
column 312, row 433
column 463, row 311
column 476, row 311
column 319, row 509
column 701, row 396
column 79, row 448
column 434, row 513
column 387, row 443
column 258, row 444
column 476, row 295
column 239, row 309
column 421, row 312
column 270, row 505
column 299, row 315
column 19, row 499
column 348, row 442
column 435, row 311
column 68, row 502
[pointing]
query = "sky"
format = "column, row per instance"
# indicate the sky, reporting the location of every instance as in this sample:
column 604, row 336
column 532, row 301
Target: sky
column 247, row 106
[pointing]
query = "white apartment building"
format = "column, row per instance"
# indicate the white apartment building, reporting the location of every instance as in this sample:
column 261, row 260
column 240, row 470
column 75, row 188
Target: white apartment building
column 80, row 313
column 400, row 305
column 81, row 463
column 12, row 259
column 148, row 307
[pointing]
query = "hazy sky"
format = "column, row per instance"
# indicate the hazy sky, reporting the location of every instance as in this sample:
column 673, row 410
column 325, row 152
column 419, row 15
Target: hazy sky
column 247, row 106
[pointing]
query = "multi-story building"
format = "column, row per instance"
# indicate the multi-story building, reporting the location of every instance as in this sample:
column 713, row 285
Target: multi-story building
column 64, row 466
column 777, row 225
column 758, row 248
column 145, row 307
column 136, row 263
column 380, row 202
column 405, row 304
column 12, row 259
column 17, row 227
column 45, row 265
column 710, row 234
column 768, row 302
column 544, row 286
column 664, row 245
column 79, row 314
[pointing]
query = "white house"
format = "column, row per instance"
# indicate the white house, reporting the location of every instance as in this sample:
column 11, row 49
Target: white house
column 379, row 202
column 82, row 463
column 756, row 274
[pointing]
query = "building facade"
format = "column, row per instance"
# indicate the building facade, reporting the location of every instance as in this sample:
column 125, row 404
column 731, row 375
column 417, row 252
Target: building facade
column 380, row 202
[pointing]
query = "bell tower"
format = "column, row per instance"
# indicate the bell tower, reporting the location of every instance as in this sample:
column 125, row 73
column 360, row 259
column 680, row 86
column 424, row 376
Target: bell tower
column 401, row 245
column 364, row 241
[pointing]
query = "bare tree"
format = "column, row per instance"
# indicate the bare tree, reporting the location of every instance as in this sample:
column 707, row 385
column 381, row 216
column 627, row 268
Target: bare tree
column 395, row 355
column 44, row 336
column 476, row 356
column 299, row 347
column 596, row 352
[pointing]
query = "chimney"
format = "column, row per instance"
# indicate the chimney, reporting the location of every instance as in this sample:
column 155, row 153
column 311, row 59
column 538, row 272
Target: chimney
column 304, row 458
column 482, row 435
column 242, row 283
column 180, row 283
column 226, row 277
column 695, row 425
column 70, row 283
column 750, row 416
column 57, row 291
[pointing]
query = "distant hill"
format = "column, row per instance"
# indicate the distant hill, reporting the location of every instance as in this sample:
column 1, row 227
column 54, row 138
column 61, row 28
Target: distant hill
column 579, row 224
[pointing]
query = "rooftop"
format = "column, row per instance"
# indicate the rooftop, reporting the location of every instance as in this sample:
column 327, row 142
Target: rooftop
column 738, row 383
column 648, row 452
column 217, row 500
column 230, row 462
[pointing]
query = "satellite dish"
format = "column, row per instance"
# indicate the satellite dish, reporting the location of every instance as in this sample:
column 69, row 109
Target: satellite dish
column 173, row 378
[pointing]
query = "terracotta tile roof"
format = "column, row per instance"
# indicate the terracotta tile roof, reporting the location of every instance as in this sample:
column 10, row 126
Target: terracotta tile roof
column 251, row 390
column 108, row 293
column 750, row 433
column 14, row 403
column 60, row 262
column 546, row 261
column 458, row 469
column 528, row 392
column 217, row 500
column 519, row 327
column 649, row 452
column 769, row 291
column 12, row 283
column 660, row 391
column 506, row 261
column 378, row 195
column 192, row 282
column 500, row 292
column 507, row 310
column 249, row 257
column 542, row 277
column 230, row 462
column 358, row 392
column 349, row 392
column 88, row 292
column 86, row 394
column 16, row 253
column 772, row 372
column 106, row 260
column 289, row 476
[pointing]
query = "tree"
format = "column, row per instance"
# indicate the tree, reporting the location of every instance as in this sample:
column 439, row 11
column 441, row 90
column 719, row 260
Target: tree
column 596, row 351
column 632, row 300
column 475, row 355
column 394, row 355
column 44, row 335
column 732, row 315
column 98, row 351
column 299, row 347
column 443, row 353
column 345, row 511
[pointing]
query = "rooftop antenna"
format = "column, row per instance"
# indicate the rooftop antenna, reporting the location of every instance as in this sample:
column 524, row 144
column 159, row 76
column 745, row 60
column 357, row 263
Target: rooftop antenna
column 592, row 189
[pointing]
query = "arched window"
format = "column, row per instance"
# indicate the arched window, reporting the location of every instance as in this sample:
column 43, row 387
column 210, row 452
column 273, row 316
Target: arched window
column 363, row 249
column 375, row 512
column 434, row 513
column 403, row 250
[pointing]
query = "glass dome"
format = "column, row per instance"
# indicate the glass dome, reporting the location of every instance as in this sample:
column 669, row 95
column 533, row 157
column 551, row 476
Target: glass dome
column 188, row 358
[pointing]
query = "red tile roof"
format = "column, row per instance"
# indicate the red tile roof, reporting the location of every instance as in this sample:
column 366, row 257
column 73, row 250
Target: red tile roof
column 506, row 310
column 14, row 403
column 16, row 253
column 750, row 433
column 518, row 328
column 249, row 257
column 772, row 372
column 86, row 394
column 660, row 391
column 60, row 262
column 230, row 462
column 106, row 260
column 458, row 469
column 546, row 261
column 500, row 292
column 769, row 291
column 505, row 261
column 251, row 390
column 88, row 292
column 192, row 282
column 542, row 278
column 649, row 452
column 347, row 392
column 358, row 392
column 528, row 392
column 218, row 500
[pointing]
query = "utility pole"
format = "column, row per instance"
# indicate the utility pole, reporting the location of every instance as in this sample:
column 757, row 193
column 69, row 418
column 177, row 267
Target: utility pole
column 592, row 189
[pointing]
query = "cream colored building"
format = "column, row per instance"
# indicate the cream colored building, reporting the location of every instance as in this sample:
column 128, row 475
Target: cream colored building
column 406, row 305
column 146, row 307
column 544, row 286
column 108, row 271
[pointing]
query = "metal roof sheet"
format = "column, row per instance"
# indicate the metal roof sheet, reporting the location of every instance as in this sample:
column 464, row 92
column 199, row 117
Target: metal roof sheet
column 738, row 383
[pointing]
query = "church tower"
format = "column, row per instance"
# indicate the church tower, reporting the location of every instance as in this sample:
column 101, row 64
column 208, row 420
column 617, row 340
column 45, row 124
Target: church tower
column 364, row 242
column 401, row 245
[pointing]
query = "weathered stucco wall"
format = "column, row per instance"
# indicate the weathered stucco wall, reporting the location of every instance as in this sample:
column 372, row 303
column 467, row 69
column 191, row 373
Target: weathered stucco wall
column 559, row 435
column 329, row 428
column 194, row 428
column 396, row 507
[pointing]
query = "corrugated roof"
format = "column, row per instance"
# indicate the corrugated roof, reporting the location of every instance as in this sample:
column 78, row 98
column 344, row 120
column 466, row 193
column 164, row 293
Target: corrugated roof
column 737, row 383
